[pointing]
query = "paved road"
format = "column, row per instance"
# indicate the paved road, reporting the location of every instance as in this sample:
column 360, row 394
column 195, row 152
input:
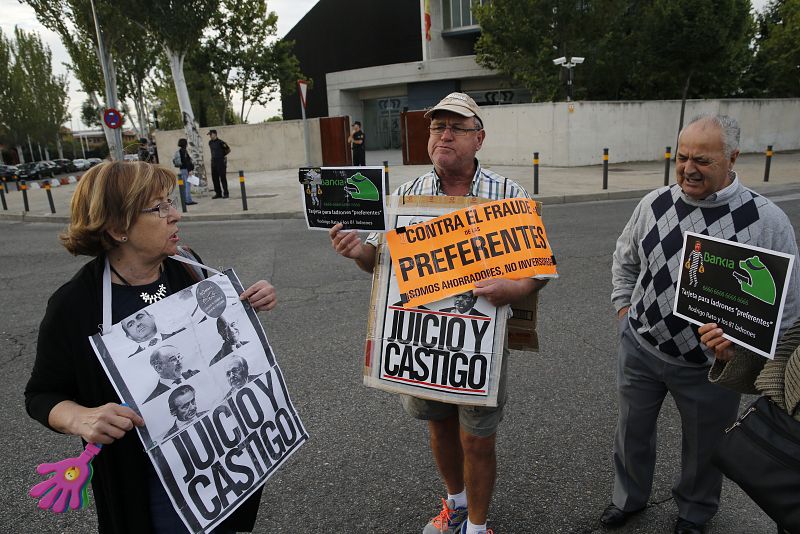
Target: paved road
column 366, row 467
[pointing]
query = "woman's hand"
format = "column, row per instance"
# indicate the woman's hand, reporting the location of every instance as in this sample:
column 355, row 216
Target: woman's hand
column 711, row 337
column 261, row 296
column 104, row 424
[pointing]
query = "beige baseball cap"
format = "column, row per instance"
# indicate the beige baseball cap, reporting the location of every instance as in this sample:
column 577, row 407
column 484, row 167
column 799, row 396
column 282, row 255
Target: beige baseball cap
column 457, row 103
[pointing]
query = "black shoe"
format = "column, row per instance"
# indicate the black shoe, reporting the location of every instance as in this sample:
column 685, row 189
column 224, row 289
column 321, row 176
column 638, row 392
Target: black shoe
column 682, row 526
column 191, row 203
column 217, row 196
column 225, row 195
column 613, row 517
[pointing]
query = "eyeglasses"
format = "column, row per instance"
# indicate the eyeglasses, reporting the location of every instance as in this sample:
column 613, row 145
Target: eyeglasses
column 455, row 130
column 162, row 209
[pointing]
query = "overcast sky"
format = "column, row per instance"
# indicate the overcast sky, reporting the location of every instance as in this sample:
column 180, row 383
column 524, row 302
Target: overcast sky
column 289, row 13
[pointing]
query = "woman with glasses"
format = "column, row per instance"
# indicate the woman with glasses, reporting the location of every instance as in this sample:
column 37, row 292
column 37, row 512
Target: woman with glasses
column 122, row 212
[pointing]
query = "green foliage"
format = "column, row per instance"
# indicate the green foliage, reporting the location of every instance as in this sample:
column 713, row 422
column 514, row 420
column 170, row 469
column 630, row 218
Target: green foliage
column 90, row 115
column 775, row 72
column 208, row 102
column 244, row 55
column 634, row 49
column 33, row 101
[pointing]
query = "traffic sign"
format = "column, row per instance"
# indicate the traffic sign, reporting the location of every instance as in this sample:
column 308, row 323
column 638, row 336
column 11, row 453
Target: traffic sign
column 112, row 118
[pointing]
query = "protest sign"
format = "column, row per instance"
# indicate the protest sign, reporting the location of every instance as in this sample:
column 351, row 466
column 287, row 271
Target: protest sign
column 353, row 196
column 197, row 366
column 740, row 287
column 450, row 350
column 448, row 254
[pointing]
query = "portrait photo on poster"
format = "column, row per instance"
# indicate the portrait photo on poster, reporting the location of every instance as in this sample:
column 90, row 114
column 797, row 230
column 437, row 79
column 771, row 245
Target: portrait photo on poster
column 352, row 196
column 199, row 369
column 446, row 350
column 740, row 287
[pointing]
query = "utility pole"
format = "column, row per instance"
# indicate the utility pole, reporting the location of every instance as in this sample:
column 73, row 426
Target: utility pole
column 111, row 92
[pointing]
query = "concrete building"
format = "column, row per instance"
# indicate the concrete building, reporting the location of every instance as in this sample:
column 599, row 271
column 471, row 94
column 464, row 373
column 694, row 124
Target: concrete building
column 385, row 65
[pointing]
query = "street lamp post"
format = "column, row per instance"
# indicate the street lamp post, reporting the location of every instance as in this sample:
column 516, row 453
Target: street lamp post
column 568, row 64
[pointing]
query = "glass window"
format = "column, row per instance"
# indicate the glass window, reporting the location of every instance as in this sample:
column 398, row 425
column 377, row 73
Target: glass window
column 458, row 13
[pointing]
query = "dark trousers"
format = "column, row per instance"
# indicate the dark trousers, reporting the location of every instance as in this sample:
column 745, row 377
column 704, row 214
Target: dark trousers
column 706, row 409
column 218, row 170
column 359, row 157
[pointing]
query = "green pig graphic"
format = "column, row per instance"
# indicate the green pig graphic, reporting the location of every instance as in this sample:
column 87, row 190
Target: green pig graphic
column 756, row 280
column 359, row 187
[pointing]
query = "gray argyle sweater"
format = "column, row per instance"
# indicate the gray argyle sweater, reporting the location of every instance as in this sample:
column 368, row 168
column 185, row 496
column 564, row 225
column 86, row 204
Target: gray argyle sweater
column 648, row 254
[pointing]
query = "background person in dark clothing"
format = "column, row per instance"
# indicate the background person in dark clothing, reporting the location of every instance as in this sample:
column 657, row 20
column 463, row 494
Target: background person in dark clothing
column 185, row 167
column 357, row 138
column 219, row 162
column 144, row 153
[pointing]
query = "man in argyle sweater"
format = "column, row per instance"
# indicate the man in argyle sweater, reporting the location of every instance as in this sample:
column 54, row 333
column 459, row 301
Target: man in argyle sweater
column 662, row 353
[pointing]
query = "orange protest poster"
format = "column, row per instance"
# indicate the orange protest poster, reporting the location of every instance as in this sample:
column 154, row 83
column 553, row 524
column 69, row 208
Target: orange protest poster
column 447, row 255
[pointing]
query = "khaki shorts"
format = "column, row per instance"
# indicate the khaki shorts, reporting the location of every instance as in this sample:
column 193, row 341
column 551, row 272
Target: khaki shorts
column 481, row 421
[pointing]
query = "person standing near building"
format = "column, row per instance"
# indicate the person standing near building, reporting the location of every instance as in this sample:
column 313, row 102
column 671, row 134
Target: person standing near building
column 462, row 438
column 660, row 353
column 219, row 164
column 356, row 140
column 184, row 162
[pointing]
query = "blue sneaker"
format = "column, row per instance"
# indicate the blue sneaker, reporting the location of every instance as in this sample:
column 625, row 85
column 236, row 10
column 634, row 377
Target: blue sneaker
column 448, row 521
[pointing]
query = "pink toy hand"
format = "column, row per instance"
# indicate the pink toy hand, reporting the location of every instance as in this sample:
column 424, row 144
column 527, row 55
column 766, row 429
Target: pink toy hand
column 68, row 484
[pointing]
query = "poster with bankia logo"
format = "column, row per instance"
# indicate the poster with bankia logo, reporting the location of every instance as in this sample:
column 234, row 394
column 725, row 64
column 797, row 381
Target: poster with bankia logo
column 740, row 287
column 353, row 196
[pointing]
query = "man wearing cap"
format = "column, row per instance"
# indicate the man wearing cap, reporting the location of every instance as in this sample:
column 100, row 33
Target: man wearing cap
column 219, row 163
column 356, row 140
column 462, row 438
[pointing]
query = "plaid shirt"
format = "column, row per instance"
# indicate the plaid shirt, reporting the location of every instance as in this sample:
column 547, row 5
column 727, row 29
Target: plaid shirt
column 485, row 184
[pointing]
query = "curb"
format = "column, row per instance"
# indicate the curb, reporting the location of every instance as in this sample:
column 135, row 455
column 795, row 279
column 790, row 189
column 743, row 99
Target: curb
column 253, row 215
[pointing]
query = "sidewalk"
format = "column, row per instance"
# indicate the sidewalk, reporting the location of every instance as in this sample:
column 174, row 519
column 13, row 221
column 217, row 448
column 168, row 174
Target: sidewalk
column 276, row 194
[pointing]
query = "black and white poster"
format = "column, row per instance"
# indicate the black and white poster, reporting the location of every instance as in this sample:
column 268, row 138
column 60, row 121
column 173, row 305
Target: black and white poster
column 353, row 196
column 740, row 287
column 448, row 350
column 197, row 366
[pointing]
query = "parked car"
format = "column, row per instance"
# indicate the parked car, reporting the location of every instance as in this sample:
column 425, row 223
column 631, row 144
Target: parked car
column 81, row 164
column 47, row 168
column 65, row 165
column 131, row 157
column 8, row 172
column 28, row 171
column 94, row 161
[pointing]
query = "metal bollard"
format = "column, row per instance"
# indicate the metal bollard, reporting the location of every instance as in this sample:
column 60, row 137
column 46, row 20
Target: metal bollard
column 3, row 194
column 244, row 190
column 50, row 197
column 605, row 168
column 767, row 164
column 667, row 156
column 24, row 188
column 182, row 192
column 535, row 173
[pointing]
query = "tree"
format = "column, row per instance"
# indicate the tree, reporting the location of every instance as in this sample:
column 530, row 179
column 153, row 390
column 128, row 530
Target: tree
column 245, row 56
column 178, row 26
column 633, row 49
column 775, row 72
column 33, row 99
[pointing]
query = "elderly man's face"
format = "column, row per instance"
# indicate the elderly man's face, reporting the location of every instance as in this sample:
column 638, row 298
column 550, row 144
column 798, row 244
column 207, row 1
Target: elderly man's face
column 701, row 166
column 450, row 152
column 140, row 327
column 464, row 301
column 171, row 363
column 230, row 333
column 185, row 406
column 237, row 373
